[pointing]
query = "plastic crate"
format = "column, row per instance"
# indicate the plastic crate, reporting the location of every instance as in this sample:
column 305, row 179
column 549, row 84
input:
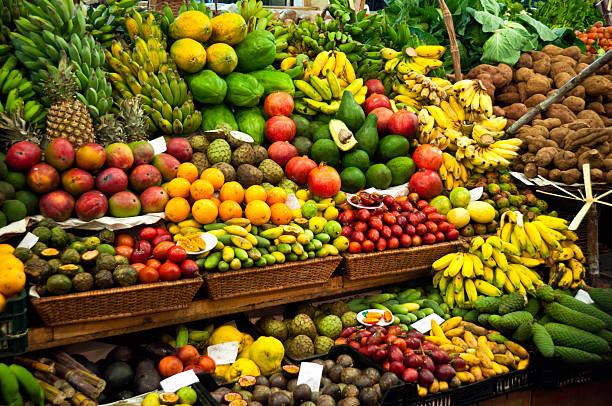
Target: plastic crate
column 553, row 373
column 14, row 327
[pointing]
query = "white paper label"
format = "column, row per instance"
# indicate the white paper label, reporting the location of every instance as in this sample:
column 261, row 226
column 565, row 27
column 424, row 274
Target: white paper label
column 310, row 374
column 178, row 381
column 28, row 241
column 584, row 296
column 522, row 178
column 224, row 353
column 519, row 218
column 159, row 145
column 476, row 193
column 292, row 201
column 424, row 325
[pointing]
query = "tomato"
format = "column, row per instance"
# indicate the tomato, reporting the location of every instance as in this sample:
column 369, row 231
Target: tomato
column 169, row 271
column 177, row 254
column 148, row 275
column 147, row 233
column 160, row 252
column 124, row 251
column 207, row 363
column 153, row 263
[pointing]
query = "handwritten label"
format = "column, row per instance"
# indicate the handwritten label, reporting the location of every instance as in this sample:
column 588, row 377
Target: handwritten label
column 584, row 296
column 292, row 201
column 159, row 145
column 224, row 353
column 522, row 178
column 28, row 241
column 310, row 374
column 178, row 381
column 476, row 193
column 424, row 325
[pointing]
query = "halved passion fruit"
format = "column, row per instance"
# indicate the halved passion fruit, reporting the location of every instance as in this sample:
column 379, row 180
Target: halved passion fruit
column 247, row 381
column 238, row 402
column 168, row 398
column 291, row 370
column 49, row 253
column 69, row 270
column 90, row 257
column 292, row 230
column 232, row 396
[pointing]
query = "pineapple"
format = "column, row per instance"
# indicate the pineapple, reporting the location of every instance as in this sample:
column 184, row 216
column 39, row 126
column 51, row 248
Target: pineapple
column 128, row 126
column 14, row 128
column 109, row 130
column 68, row 117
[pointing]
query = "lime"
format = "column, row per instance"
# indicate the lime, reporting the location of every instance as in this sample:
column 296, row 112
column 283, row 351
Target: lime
column 333, row 228
column 187, row 395
column 460, row 197
column 309, row 209
column 442, row 203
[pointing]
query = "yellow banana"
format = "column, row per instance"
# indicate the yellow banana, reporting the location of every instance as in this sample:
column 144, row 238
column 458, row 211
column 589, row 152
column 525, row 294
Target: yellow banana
column 467, row 270
column 444, row 261
column 455, row 265
column 430, row 51
column 319, row 62
column 486, row 288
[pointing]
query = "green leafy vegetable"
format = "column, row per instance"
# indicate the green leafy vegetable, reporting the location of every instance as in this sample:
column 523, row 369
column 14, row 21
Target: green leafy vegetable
column 545, row 33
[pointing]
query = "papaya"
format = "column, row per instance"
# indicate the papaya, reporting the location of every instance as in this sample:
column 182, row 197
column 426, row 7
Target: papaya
column 256, row 51
column 207, row 87
column 367, row 135
column 189, row 55
column 229, row 28
column 243, row 90
column 191, row 24
column 273, row 81
column 252, row 122
column 221, row 59
column 214, row 114
column 350, row 112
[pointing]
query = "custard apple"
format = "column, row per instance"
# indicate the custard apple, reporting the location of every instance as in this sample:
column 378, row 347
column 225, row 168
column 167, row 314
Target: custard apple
column 330, row 326
column 219, row 151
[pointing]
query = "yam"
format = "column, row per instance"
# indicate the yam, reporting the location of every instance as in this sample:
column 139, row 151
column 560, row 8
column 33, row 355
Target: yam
column 588, row 59
column 552, row 50
column 535, row 131
column 591, row 118
column 561, row 112
column 523, row 75
column 545, row 156
column 528, row 157
column 580, row 67
column 561, row 78
column 597, row 85
column 577, row 126
column 564, row 160
column 537, row 84
column 525, row 61
column 549, row 123
column 574, row 103
column 534, row 100
column 573, row 52
column 515, row 111
column 603, row 70
column 558, row 67
column 508, row 98
column 498, row 111
column 558, row 134
column 578, row 91
column 565, row 59
column 587, row 137
column 592, row 157
column 543, row 172
column 537, row 55
column 554, row 175
column 609, row 177
column 597, row 175
column 571, row 176
column 522, row 89
column 504, row 76
column 518, row 166
column 531, row 170
column 604, row 148
column 597, row 107
column 536, row 144
column 480, row 69
column 608, row 164
column 542, row 67
column 511, row 88
column 582, row 150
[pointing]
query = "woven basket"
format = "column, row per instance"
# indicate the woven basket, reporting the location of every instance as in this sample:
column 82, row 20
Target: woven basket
column 158, row 5
column 363, row 266
column 243, row 282
column 114, row 303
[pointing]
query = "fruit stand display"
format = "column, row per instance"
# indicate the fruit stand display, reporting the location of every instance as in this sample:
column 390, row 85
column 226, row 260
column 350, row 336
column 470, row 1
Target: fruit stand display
column 253, row 209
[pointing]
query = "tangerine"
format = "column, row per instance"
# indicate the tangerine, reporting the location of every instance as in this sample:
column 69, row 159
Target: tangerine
column 255, row 192
column 201, row 189
column 276, row 195
column 229, row 209
column 214, row 176
column 179, row 187
column 216, row 201
column 188, row 171
column 258, row 212
column 232, row 191
column 177, row 209
column 280, row 213
column 205, row 211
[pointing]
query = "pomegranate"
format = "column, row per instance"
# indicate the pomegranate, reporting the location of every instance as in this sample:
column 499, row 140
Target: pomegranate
column 404, row 123
column 426, row 183
column 298, row 168
column 376, row 100
column 280, row 128
column 383, row 114
column 278, row 104
column 427, row 156
column 324, row 181
column 374, row 86
column 282, row 151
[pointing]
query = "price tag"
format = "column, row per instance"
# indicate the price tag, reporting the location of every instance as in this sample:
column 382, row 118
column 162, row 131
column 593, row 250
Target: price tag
column 159, row 145
column 28, row 241
column 178, row 381
column 519, row 219
column 224, row 353
column 424, row 325
column 522, row 178
column 292, row 201
column 310, row 374
column 584, row 296
column 476, row 193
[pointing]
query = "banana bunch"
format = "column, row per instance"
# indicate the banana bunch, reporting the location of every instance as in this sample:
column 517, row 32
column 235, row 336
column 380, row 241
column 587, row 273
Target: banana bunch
column 296, row 67
column 145, row 70
column 487, row 268
column 10, row 10
column 417, row 90
column 16, row 94
column 422, row 59
column 53, row 29
column 452, row 172
column 323, row 84
column 473, row 96
column 254, row 14
column 547, row 240
column 282, row 33
column 167, row 16
column 365, row 28
column 108, row 18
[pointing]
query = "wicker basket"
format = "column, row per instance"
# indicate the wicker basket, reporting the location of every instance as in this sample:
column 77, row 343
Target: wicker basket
column 250, row 281
column 363, row 266
column 114, row 303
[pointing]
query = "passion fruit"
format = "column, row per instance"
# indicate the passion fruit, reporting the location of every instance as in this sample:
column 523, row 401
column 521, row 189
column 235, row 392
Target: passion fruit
column 247, row 381
column 168, row 398
column 232, row 396
column 49, row 253
column 291, row 371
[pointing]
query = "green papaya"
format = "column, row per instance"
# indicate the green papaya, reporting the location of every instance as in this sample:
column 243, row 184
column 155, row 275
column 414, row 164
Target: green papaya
column 256, row 51
column 252, row 122
column 212, row 115
column 207, row 87
column 243, row 90
column 274, row 81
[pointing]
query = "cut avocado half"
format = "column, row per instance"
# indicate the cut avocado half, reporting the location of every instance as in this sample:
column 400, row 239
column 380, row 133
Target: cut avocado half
column 342, row 136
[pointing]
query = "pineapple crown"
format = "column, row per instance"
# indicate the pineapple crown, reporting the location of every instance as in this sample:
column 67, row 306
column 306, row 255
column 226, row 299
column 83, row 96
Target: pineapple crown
column 60, row 82
column 14, row 128
column 129, row 125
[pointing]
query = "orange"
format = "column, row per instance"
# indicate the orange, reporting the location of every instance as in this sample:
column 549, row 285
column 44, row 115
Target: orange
column 229, row 209
column 258, row 212
column 6, row 249
column 2, row 303
column 12, row 277
column 276, row 195
column 232, row 191
column 179, row 187
column 205, row 211
column 280, row 213
column 201, row 189
column 187, row 171
column 255, row 192
column 216, row 201
column 177, row 209
column 214, row 176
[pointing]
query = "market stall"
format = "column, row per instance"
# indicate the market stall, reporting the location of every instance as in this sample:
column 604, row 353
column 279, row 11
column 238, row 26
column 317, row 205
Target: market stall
column 207, row 204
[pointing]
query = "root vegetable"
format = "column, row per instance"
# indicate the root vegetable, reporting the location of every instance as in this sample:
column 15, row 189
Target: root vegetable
column 604, row 148
column 582, row 150
column 571, row 62
column 588, row 59
column 597, row 85
column 573, row 52
column 537, row 84
column 592, row 157
column 580, row 67
column 543, row 172
column 508, row 98
column 558, row 67
column 537, row 55
column 591, row 118
column 609, row 177
column 545, row 156
column 571, row 176
column 504, row 77
column 528, row 158
column 549, row 123
column 552, row 50
column 523, row 74
column 525, row 61
column 498, row 111
column 515, row 110
column 561, row 78
column 561, row 112
column 565, row 160
column 588, row 137
column 578, row 91
column 518, row 166
column 558, row 134
column 607, row 164
column 597, row 175
column 522, row 89
column 597, row 107
column 554, row 175
column 536, row 131
column 574, row 103
column 534, row 100
column 531, row 170
column 542, row 67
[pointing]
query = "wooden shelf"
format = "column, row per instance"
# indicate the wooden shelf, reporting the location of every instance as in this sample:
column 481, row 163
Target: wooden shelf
column 48, row 337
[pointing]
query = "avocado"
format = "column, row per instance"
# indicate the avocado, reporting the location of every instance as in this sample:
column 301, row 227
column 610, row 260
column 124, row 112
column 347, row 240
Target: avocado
column 70, row 256
column 321, row 133
column 58, row 237
column 378, row 176
column 14, row 210
column 29, row 199
column 392, row 146
column 106, row 262
column 125, row 275
column 352, row 179
column 103, row 279
column 342, row 136
column 43, row 233
column 367, row 135
column 59, row 284
column 302, row 126
column 325, row 151
column 83, row 282
column 118, row 376
column 350, row 112
column 302, row 144
column 402, row 168
column 357, row 158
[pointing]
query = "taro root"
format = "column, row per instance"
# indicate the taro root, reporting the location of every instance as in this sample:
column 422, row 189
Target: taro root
column 597, row 85
column 531, row 170
column 597, row 175
column 552, row 50
column 537, row 84
column 591, row 118
column 554, row 175
column 523, row 74
column 525, row 61
column 545, row 156
column 565, row 160
column 515, row 111
column 571, row 176
column 542, row 66
column 574, row 103
column 534, row 100
column 561, row 112
column 561, row 78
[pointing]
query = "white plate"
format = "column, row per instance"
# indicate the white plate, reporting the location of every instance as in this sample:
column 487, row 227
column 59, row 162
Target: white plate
column 348, row 198
column 361, row 315
column 210, row 240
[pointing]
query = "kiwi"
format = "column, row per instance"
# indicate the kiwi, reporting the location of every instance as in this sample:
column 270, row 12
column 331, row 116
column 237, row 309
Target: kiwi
column 345, row 360
column 302, row 393
column 332, row 390
column 335, row 373
column 349, row 375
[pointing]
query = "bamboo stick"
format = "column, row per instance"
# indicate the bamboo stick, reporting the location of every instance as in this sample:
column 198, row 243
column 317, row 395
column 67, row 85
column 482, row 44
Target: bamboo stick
column 452, row 38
